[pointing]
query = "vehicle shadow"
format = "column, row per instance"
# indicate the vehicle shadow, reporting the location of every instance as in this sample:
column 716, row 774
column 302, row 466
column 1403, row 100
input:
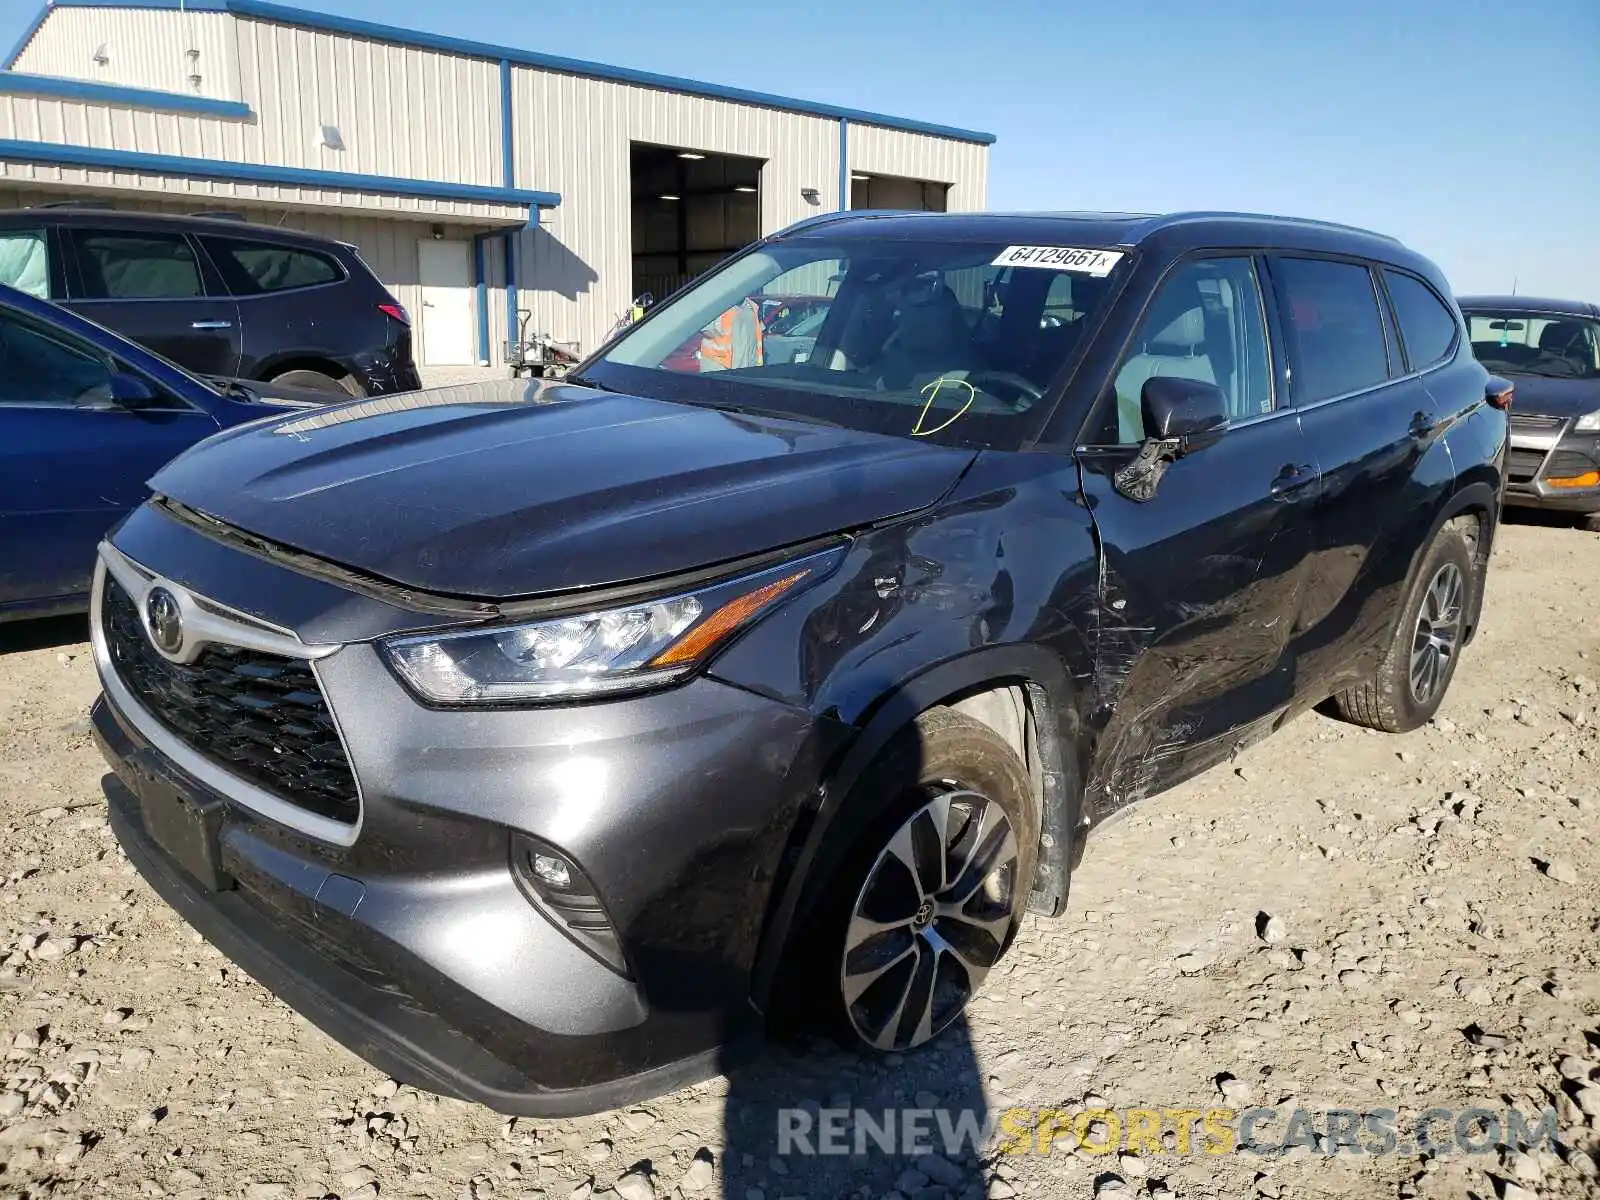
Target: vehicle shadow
column 43, row 634
column 820, row 1121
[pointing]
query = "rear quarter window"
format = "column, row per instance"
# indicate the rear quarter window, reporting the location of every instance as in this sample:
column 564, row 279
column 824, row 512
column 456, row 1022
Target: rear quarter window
column 1427, row 327
column 256, row 268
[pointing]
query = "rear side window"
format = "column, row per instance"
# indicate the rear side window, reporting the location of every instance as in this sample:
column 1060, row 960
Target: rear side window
column 251, row 268
column 135, row 266
column 1427, row 327
column 24, row 263
column 1331, row 322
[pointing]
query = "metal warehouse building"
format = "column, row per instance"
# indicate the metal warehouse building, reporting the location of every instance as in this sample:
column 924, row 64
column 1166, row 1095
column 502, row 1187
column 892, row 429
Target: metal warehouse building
column 475, row 179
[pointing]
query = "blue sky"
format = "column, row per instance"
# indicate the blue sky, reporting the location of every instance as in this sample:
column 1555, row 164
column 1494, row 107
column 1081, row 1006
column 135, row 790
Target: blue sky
column 1465, row 127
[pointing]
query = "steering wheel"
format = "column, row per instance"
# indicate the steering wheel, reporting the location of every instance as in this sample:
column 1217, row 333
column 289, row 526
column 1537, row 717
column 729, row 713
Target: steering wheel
column 1025, row 388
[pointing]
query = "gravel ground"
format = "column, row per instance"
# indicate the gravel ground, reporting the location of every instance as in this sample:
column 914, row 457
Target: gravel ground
column 1341, row 920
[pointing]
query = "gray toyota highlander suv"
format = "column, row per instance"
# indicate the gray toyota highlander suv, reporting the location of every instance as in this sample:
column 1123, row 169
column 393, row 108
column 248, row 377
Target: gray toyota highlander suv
column 543, row 741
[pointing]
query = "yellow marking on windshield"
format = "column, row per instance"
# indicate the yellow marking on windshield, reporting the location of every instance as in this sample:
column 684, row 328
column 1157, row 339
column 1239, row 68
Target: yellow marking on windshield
column 931, row 391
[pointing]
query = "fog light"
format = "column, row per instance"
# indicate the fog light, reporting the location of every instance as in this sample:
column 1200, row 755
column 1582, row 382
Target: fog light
column 552, row 870
column 559, row 889
column 1587, row 479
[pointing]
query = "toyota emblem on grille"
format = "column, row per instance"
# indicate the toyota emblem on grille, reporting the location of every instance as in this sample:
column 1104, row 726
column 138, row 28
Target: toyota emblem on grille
column 164, row 619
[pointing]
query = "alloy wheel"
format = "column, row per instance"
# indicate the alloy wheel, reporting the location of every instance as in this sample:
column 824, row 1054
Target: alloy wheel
column 931, row 919
column 1438, row 631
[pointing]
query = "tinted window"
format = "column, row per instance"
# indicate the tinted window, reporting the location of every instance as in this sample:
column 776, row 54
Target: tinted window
column 38, row 367
column 23, row 263
column 1330, row 318
column 1427, row 327
column 1206, row 324
column 251, row 268
column 135, row 266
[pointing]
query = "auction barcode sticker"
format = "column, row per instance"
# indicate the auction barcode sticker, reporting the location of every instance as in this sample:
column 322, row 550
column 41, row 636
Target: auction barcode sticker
column 1060, row 258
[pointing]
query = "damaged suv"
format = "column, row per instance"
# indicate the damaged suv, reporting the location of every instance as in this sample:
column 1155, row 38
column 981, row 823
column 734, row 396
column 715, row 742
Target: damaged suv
column 544, row 742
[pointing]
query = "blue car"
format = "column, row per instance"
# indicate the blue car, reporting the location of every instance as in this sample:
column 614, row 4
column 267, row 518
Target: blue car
column 86, row 417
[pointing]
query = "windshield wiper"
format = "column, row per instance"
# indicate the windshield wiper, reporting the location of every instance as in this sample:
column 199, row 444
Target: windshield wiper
column 747, row 410
column 232, row 387
column 585, row 381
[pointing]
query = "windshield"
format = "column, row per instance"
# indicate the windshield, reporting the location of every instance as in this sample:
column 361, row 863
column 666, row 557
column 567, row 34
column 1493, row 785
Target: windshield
column 1550, row 344
column 956, row 343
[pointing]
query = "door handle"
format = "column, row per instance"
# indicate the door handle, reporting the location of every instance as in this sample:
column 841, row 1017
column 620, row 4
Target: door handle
column 1422, row 427
column 1291, row 479
column 211, row 325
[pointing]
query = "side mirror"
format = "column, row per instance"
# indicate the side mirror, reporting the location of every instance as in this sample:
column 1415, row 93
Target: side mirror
column 1499, row 393
column 129, row 391
column 1188, row 411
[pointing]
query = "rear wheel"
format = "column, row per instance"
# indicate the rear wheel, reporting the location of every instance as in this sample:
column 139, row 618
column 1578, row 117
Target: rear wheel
column 1409, row 684
column 344, row 388
column 928, row 899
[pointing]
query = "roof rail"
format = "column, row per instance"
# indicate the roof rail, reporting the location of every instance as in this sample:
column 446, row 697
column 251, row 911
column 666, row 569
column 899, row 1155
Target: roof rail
column 220, row 214
column 92, row 204
column 1308, row 222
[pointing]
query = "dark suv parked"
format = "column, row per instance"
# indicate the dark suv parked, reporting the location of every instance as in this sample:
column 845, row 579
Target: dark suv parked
column 542, row 740
column 218, row 296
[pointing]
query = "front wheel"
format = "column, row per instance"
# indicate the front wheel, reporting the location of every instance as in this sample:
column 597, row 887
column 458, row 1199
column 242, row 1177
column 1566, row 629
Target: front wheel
column 928, row 899
column 1409, row 684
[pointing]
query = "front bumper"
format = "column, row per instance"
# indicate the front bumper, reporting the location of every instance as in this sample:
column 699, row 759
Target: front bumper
column 411, row 939
column 1552, row 451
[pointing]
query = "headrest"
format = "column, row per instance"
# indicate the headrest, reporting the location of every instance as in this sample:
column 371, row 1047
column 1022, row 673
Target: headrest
column 1183, row 333
column 1563, row 337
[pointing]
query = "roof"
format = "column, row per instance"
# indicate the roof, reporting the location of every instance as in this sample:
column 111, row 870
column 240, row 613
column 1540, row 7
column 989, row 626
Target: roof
column 103, row 214
column 1096, row 228
column 306, row 18
column 1530, row 304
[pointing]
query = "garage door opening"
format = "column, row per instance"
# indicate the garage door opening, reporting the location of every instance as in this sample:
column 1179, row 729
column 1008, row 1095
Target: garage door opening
column 893, row 191
column 691, row 209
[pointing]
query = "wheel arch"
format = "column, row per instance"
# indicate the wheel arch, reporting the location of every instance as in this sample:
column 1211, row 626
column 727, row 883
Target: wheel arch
column 1478, row 502
column 1052, row 735
column 271, row 368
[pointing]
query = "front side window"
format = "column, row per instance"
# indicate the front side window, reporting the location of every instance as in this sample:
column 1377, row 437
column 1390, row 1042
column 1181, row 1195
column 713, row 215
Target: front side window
column 1427, row 327
column 1205, row 323
column 39, row 368
column 1554, row 345
column 1331, row 323
column 251, row 268
column 930, row 340
column 24, row 263
column 135, row 266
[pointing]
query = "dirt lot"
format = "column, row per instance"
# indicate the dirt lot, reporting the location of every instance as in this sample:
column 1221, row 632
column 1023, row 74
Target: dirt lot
column 1434, row 941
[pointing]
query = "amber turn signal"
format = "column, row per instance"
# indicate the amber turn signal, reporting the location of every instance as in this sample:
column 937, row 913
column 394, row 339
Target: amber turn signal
column 1587, row 479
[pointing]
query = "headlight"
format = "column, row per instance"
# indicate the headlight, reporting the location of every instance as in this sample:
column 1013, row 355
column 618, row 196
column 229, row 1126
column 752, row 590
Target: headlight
column 1588, row 423
column 594, row 653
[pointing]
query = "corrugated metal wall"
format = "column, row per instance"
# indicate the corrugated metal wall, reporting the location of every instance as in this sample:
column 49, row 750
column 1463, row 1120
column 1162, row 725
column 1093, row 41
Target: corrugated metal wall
column 143, row 48
column 417, row 114
column 963, row 165
column 573, row 137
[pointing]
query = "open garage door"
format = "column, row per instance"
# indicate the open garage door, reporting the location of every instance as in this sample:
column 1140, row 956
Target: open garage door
column 893, row 191
column 691, row 209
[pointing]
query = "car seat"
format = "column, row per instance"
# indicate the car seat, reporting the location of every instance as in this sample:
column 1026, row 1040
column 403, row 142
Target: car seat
column 1176, row 349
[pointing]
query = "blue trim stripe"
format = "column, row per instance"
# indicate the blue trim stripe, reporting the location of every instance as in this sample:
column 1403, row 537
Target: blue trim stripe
column 206, row 168
column 844, row 164
column 15, row 83
column 308, row 19
column 511, row 283
column 481, row 283
column 508, row 156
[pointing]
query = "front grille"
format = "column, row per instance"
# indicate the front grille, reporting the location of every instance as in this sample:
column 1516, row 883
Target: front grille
column 1535, row 422
column 1523, row 465
column 1566, row 464
column 259, row 716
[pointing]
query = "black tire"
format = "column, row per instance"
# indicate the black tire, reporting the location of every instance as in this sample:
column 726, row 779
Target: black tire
column 1590, row 521
column 942, row 758
column 1391, row 700
column 344, row 388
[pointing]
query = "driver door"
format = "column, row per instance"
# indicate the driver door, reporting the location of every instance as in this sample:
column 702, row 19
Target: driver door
column 1202, row 580
column 71, row 462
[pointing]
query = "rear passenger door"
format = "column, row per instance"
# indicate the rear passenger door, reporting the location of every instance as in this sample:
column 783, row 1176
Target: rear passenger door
column 1376, row 435
column 1200, row 581
column 155, row 288
column 290, row 305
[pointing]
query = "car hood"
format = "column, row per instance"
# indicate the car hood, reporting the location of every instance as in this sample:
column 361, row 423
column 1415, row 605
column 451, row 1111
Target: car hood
column 506, row 489
column 1554, row 397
